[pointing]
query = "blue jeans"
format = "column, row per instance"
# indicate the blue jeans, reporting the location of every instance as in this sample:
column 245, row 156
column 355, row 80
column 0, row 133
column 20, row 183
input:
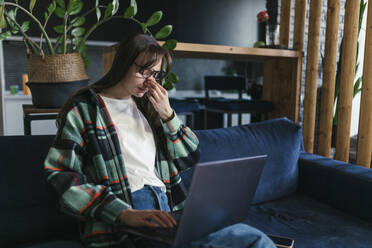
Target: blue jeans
column 238, row 235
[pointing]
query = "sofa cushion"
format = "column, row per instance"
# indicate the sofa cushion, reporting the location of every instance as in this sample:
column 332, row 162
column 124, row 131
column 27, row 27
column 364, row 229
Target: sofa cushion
column 310, row 223
column 62, row 243
column 341, row 185
column 280, row 139
column 28, row 209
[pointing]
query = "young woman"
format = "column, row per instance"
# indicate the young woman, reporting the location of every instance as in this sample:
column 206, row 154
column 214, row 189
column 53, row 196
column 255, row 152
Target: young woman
column 119, row 149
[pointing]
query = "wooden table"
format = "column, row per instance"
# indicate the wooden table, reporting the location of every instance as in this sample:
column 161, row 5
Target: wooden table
column 31, row 113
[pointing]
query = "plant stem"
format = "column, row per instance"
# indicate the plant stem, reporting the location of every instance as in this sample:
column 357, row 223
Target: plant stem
column 51, row 50
column 41, row 36
column 33, row 45
column 105, row 20
column 70, row 26
column 64, row 33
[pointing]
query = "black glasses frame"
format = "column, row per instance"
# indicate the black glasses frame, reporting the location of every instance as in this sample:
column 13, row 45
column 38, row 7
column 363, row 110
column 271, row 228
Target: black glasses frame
column 158, row 75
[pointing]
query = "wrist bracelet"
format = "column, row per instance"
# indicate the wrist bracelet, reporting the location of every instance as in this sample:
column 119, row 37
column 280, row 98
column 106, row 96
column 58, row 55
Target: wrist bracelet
column 169, row 118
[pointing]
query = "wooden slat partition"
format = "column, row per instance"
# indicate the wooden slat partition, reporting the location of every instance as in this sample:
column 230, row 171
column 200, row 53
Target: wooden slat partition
column 347, row 80
column 311, row 75
column 299, row 25
column 329, row 78
column 365, row 118
column 285, row 19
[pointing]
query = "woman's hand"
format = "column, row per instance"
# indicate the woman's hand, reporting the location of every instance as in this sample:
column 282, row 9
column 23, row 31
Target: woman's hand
column 158, row 96
column 149, row 218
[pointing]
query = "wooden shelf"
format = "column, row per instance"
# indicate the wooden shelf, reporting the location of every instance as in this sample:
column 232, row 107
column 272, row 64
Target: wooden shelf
column 193, row 50
column 206, row 51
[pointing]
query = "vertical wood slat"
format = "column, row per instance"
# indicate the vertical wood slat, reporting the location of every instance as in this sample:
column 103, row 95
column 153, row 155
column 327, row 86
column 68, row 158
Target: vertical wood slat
column 311, row 74
column 347, row 80
column 285, row 19
column 329, row 78
column 299, row 25
column 365, row 118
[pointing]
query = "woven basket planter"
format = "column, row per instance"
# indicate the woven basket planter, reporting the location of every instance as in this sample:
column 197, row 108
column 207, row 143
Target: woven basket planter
column 53, row 78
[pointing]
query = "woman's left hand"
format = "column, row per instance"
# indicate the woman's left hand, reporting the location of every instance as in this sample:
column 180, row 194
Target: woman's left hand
column 158, row 96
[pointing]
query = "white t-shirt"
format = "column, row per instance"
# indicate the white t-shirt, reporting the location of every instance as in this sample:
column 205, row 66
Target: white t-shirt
column 137, row 142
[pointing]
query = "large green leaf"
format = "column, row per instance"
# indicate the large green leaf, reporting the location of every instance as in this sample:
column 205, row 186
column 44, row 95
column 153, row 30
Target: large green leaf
column 164, row 32
column 133, row 3
column 51, row 8
column 170, row 44
column 78, row 21
column 32, row 5
column 129, row 12
column 74, row 7
column 59, row 29
column 25, row 26
column 78, row 31
column 61, row 4
column 154, row 18
column 5, row 35
column 115, row 4
column 108, row 11
column 60, row 12
column 11, row 18
column 98, row 11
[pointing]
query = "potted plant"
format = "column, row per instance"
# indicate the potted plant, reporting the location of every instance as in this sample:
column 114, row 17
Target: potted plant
column 57, row 70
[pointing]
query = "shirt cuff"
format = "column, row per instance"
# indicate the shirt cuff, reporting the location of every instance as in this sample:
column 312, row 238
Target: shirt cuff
column 175, row 123
column 112, row 210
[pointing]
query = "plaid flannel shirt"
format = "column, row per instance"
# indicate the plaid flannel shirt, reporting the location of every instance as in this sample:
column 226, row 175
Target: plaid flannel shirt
column 86, row 168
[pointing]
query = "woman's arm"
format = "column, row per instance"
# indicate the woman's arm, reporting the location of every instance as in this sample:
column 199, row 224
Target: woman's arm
column 79, row 195
column 182, row 143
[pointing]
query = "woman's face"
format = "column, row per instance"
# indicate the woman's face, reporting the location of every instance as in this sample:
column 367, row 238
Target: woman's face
column 134, row 83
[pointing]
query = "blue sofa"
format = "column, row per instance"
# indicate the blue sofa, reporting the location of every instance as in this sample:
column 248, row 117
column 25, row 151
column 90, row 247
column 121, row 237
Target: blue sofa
column 317, row 201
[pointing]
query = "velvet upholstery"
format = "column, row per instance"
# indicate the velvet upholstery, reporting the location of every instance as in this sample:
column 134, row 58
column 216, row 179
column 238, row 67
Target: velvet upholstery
column 331, row 207
column 28, row 211
column 311, row 223
column 341, row 185
column 280, row 139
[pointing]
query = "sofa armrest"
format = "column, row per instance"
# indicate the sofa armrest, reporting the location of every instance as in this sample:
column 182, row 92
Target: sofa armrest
column 344, row 186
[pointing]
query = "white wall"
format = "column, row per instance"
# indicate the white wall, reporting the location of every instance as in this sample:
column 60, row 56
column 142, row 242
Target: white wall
column 356, row 101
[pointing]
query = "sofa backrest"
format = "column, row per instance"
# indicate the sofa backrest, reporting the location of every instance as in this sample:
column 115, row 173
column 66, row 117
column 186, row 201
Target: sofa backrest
column 28, row 207
column 280, row 139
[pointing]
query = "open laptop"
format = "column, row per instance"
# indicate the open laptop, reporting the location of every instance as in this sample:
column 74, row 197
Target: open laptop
column 219, row 196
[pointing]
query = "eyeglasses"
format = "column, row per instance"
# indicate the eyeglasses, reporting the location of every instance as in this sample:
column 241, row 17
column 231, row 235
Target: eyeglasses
column 146, row 73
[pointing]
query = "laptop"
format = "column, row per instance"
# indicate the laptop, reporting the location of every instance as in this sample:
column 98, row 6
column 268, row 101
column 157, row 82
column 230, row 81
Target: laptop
column 220, row 194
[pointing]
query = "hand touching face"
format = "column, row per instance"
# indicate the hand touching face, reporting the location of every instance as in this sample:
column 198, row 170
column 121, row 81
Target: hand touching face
column 158, row 96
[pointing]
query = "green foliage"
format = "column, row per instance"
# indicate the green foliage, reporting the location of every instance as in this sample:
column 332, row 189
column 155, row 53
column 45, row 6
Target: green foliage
column 164, row 32
column 32, row 5
column 154, row 19
column 71, row 35
column 170, row 44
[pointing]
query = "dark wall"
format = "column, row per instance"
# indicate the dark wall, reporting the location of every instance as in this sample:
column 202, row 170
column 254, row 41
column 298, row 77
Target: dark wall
column 224, row 22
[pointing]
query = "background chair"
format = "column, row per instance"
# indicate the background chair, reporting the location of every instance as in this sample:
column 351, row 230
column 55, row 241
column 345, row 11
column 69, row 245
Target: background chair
column 232, row 106
column 186, row 107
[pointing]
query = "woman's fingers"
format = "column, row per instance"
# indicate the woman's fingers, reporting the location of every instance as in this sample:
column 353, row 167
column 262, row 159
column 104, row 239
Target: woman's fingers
column 155, row 95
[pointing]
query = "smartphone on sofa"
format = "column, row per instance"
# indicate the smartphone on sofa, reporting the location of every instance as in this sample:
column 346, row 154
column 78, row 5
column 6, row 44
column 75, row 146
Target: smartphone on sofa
column 281, row 242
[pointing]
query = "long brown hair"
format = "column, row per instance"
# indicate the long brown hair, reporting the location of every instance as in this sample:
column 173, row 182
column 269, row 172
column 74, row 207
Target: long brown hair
column 128, row 50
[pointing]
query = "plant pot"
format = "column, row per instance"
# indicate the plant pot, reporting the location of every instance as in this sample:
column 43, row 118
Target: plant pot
column 53, row 78
column 53, row 95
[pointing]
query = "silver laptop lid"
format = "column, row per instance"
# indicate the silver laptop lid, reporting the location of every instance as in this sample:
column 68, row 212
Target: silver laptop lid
column 219, row 196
